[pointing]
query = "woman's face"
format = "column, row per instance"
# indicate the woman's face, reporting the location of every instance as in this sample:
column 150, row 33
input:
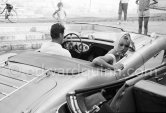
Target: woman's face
column 123, row 45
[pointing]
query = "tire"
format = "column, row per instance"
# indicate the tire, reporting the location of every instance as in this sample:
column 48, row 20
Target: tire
column 13, row 17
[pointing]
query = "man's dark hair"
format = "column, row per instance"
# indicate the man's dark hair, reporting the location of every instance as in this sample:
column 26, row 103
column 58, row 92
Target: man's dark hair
column 56, row 29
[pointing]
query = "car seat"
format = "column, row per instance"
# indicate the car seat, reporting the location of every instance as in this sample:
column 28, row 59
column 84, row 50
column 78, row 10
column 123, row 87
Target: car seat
column 144, row 96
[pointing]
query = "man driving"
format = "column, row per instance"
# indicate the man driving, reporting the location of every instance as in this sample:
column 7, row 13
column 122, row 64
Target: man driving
column 54, row 46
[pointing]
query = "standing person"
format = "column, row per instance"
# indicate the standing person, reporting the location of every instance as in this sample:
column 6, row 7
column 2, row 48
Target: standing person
column 61, row 14
column 144, row 14
column 123, row 6
column 54, row 46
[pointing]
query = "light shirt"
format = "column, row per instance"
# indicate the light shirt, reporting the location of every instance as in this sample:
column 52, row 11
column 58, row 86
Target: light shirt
column 61, row 14
column 54, row 48
column 124, row 1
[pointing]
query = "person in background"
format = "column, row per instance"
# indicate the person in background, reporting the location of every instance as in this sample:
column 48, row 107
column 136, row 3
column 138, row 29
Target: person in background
column 9, row 7
column 123, row 7
column 144, row 14
column 60, row 14
column 121, row 46
column 54, row 46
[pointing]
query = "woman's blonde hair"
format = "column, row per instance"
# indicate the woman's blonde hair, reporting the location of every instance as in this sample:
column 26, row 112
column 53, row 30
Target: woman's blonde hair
column 124, row 35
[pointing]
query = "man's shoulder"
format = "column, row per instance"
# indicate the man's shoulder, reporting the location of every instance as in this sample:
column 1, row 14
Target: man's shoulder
column 45, row 43
column 67, row 53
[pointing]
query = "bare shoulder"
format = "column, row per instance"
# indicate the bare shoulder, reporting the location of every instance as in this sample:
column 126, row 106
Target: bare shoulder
column 112, row 51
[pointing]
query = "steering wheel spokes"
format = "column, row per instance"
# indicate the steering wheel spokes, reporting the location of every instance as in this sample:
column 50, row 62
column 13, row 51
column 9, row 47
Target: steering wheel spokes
column 74, row 42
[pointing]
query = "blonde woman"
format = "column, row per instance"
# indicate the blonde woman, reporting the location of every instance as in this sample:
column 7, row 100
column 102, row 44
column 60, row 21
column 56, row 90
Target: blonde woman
column 118, row 52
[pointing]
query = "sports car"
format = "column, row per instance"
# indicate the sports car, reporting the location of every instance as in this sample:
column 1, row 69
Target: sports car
column 35, row 82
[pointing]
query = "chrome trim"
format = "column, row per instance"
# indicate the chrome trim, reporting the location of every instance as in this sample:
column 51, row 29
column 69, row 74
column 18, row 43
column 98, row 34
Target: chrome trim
column 3, row 93
column 15, row 87
column 18, row 88
column 14, row 78
column 76, row 105
column 57, row 110
column 72, row 104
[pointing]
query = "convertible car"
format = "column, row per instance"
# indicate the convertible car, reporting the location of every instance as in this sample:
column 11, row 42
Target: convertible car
column 35, row 82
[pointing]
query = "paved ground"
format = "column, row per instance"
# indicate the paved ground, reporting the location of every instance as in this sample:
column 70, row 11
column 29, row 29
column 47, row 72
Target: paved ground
column 154, row 26
column 132, row 26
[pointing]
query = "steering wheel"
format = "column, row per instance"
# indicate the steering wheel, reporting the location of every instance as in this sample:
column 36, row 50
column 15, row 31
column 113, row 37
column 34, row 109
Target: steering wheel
column 76, row 48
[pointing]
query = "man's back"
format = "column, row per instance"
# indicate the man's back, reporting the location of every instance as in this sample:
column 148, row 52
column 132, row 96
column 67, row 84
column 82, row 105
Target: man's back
column 54, row 48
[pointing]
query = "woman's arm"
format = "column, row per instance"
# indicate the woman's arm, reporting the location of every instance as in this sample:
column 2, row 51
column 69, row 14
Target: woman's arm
column 53, row 15
column 65, row 13
column 154, row 2
column 132, row 47
column 103, row 61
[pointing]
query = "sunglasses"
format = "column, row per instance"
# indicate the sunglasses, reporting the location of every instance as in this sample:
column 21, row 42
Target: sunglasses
column 127, row 46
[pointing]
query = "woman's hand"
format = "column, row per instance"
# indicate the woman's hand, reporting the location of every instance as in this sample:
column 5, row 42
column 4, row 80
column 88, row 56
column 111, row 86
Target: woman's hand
column 102, row 63
column 132, row 48
column 118, row 66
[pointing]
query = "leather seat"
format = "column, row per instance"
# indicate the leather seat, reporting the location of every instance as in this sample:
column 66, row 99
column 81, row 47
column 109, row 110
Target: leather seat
column 144, row 96
column 150, row 96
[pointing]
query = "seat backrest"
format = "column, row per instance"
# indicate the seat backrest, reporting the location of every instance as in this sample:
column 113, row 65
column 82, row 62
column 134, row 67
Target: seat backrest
column 149, row 96
column 124, row 100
